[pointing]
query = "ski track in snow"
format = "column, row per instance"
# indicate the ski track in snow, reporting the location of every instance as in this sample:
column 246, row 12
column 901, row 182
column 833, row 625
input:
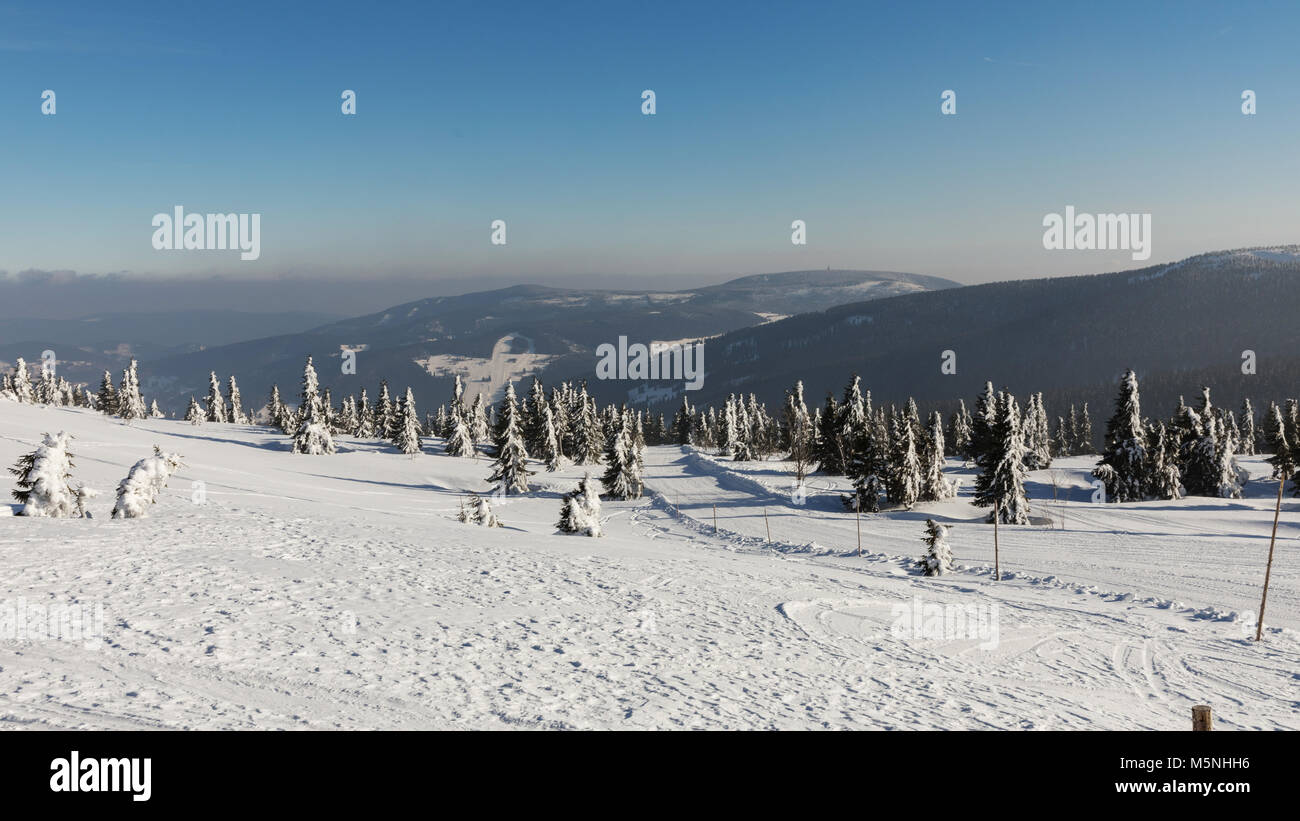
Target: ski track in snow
column 339, row 592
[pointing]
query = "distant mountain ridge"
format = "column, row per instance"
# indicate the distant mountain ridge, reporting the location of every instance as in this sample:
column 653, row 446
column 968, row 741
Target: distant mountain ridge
column 510, row 333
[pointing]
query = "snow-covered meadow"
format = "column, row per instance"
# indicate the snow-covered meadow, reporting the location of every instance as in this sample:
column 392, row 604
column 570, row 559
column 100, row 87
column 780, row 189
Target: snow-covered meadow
column 341, row 592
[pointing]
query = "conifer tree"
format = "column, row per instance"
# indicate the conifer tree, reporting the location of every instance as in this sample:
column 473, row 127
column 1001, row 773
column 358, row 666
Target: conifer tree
column 22, row 384
column 510, row 468
column 934, row 487
column 194, row 414
column 236, row 412
column 406, row 435
column 622, row 478
column 146, row 479
column 904, row 482
column 1285, row 458
column 313, row 435
column 1165, row 481
column 366, row 423
column 215, row 407
column 961, row 432
column 1001, row 483
column 580, row 511
column 385, row 414
column 44, row 481
column 1123, row 467
column 106, row 399
column 588, row 439
column 938, row 554
column 1249, row 437
column 130, row 405
column 459, row 442
column 550, row 445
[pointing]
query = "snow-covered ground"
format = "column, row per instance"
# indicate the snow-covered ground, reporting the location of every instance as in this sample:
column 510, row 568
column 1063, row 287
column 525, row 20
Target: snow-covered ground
column 340, row 591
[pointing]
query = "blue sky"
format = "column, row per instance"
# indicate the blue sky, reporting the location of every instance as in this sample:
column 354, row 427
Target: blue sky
column 530, row 112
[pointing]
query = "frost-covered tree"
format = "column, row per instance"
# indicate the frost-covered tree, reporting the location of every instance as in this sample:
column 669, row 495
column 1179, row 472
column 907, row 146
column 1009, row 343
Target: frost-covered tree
column 580, row 511
column 1285, row 458
column 194, row 414
column 1084, row 445
column 510, row 467
column 22, row 384
column 130, row 405
column 868, row 466
column 1249, row 437
column 588, row 438
column 459, row 442
column 934, row 486
column 961, row 432
column 154, row 411
column 1230, row 477
column 1038, row 440
column 478, row 512
column 982, row 423
column 903, row 486
column 1001, row 483
column 406, row 436
column 479, row 430
column 146, row 479
column 106, row 399
column 622, row 478
column 214, row 408
column 313, row 434
column 44, row 481
column 385, row 413
column 366, row 423
column 800, row 432
column 938, row 553
column 550, row 443
column 1165, row 479
column 1123, row 467
column 236, row 412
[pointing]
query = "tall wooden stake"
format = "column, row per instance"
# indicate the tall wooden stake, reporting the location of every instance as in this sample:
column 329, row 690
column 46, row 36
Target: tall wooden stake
column 768, row 526
column 1268, row 569
column 715, row 520
column 858, row 508
column 997, row 568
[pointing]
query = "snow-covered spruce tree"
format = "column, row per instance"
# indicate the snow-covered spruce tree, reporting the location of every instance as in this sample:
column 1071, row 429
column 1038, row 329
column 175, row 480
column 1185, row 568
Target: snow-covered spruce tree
column 868, row 466
column 622, row 478
column 580, row 510
column 1164, row 480
column 1285, row 459
column 194, row 414
column 146, row 479
column 550, row 445
column 130, row 405
column 1249, row 436
column 903, row 486
column 385, row 413
column 479, row 512
column 106, row 399
column 683, row 423
column 406, row 437
column 510, row 467
column 1198, row 456
column 479, row 430
column 1061, row 443
column 532, row 418
column 938, row 553
column 22, row 385
column 830, row 453
column 588, row 438
column 1001, row 483
column 44, row 486
column 1084, row 444
column 459, row 442
column 1230, row 477
column 313, row 435
column 214, row 408
column 961, row 432
column 366, row 424
column 1038, row 441
column 1123, row 467
column 982, row 423
column 509, row 418
column 236, row 412
column 154, row 411
column 799, row 433
column 934, row 486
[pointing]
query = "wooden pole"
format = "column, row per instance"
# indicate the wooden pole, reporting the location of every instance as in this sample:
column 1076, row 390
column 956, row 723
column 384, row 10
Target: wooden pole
column 1201, row 719
column 997, row 568
column 858, row 508
column 768, row 526
column 715, row 520
column 1268, row 569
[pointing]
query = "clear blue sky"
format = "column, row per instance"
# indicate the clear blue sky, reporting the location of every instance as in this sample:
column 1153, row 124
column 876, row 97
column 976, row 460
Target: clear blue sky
column 530, row 112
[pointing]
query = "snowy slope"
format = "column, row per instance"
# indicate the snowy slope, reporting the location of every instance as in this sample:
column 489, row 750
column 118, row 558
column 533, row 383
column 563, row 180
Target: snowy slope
column 339, row 591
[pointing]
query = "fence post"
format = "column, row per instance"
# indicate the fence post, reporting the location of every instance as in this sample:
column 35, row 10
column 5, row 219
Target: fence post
column 1201, row 717
column 997, row 514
